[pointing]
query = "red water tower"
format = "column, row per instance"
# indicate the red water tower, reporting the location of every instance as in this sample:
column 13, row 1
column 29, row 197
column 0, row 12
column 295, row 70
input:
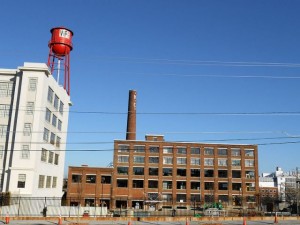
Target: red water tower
column 60, row 47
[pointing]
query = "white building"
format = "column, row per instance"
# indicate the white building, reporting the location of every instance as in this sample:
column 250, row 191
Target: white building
column 34, row 112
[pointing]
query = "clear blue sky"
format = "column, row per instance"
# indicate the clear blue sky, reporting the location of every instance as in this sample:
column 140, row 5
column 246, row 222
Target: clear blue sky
column 181, row 57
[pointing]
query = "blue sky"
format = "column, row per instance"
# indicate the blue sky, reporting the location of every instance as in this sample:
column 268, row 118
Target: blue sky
column 189, row 61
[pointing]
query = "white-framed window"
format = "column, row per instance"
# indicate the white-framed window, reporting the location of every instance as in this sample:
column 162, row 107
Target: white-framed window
column 154, row 149
column 168, row 160
column 235, row 152
column 139, row 148
column 51, row 156
column 123, row 148
column 249, row 152
column 32, row 84
column 48, row 182
column 58, row 139
column 21, row 181
column 46, row 135
column 41, row 181
column 54, row 120
column 56, row 101
column 54, row 182
column 56, row 158
column 29, row 108
column 167, row 150
column 59, row 124
column 195, row 150
column 25, row 154
column 6, row 89
column 3, row 131
column 61, row 107
column 138, row 159
column 4, row 110
column 236, row 162
column 52, row 138
column 44, row 155
column 50, row 95
column 195, row 161
column 48, row 115
column 181, row 150
column 208, row 162
column 222, row 151
column 249, row 162
column 27, row 129
column 208, row 151
column 123, row 158
column 153, row 159
column 222, row 162
column 1, row 151
column 181, row 161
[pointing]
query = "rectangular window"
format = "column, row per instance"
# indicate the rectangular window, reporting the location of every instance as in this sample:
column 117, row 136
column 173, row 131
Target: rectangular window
column 167, row 198
column 25, row 152
column 236, row 186
column 236, row 174
column 236, row 162
column 181, row 150
column 61, row 107
column 195, row 150
column 137, row 183
column 123, row 148
column 6, row 89
column 153, row 159
column 139, row 148
column 222, row 173
column 48, row 115
column 48, row 182
column 138, row 159
column 46, row 135
column 54, row 120
column 153, row 171
column 223, row 186
column 91, row 179
column 32, row 84
column 154, row 149
column 29, row 108
column 167, row 150
column 208, row 162
column 41, row 181
column 58, row 139
column 27, row 129
column 123, row 159
column 76, row 178
column 1, row 151
column 4, row 111
column 181, row 161
column 208, row 151
column 235, row 152
column 122, row 170
column 167, row 171
column 54, row 182
column 44, row 155
column 122, row 183
column 222, row 162
column 167, row 160
column 21, row 181
column 59, row 123
column 167, row 184
column 56, row 158
column 50, row 159
column 195, row 185
column 250, row 174
column 195, row 161
column 249, row 163
column 181, row 172
column 222, row 151
column 249, row 152
column 195, row 172
column 56, row 101
column 180, row 198
column 152, row 184
column 50, row 95
column 52, row 138
column 181, row 185
column 208, row 173
column 138, row 170
column 208, row 186
column 3, row 131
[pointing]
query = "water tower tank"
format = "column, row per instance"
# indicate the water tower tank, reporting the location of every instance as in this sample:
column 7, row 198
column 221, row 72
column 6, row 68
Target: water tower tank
column 61, row 41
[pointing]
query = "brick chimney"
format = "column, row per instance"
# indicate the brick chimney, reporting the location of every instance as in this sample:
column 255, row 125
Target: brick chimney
column 131, row 117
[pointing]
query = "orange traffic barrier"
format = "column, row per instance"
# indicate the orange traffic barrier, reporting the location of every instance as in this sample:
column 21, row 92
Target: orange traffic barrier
column 59, row 221
column 244, row 221
column 7, row 219
column 276, row 219
column 129, row 222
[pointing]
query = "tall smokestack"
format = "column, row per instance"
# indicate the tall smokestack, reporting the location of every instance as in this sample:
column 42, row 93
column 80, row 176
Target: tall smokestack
column 131, row 117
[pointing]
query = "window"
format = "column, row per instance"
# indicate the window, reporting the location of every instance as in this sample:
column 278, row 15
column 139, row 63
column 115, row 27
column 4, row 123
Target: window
column 167, row 160
column 223, row 186
column 153, row 159
column 4, row 110
column 222, row 151
column 123, row 148
column 154, row 149
column 195, row 150
column 138, row 159
column 180, row 198
column 195, row 172
column 139, row 148
column 167, row 198
column 250, row 174
column 223, row 198
column 181, row 172
column 208, row 186
column 236, row 162
column 50, row 95
column 27, row 129
column 3, row 131
column 181, row 150
column 122, row 170
column 168, row 150
column 56, row 101
column 59, row 123
column 46, row 135
column 44, row 155
column 153, row 171
column 90, row 179
column 208, row 151
column 122, row 183
column 249, row 152
column 250, row 199
column 61, row 107
column 32, row 84
column 195, row 161
column 236, row 174
column 29, row 108
column 6, row 89
column 195, row 198
column 222, row 173
column 21, row 180
column 195, row 185
column 52, row 138
column 123, row 159
column 138, row 170
column 1, row 151
column 25, row 152
column 167, row 171
column 249, row 163
column 58, row 141
column 54, row 182
column 105, row 179
column 56, row 157
column 54, row 120
column 222, row 162
column 181, row 161
column 48, row 115
column 181, row 184
column 167, row 184
column 137, row 183
column 235, row 152
column 236, row 186
column 208, row 173
column 152, row 184
column 41, row 181
column 76, row 178
column 50, row 159
column 208, row 162
column 48, row 182
column 250, row 186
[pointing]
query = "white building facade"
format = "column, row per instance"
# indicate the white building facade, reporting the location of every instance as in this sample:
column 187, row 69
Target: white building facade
column 34, row 112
